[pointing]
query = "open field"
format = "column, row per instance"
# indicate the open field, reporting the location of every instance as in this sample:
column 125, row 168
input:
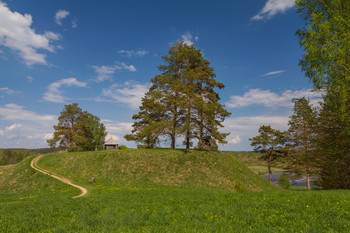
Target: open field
column 123, row 200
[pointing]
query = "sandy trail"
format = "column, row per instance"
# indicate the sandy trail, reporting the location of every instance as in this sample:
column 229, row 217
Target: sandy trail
column 34, row 165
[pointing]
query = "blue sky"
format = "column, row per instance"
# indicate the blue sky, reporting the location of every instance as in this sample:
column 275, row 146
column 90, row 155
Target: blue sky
column 102, row 55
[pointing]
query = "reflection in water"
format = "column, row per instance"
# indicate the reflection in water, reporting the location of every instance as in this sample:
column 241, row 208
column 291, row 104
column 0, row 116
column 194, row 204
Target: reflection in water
column 295, row 181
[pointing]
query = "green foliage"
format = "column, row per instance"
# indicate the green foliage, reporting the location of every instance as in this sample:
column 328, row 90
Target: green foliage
column 283, row 181
column 78, row 130
column 326, row 62
column 181, row 102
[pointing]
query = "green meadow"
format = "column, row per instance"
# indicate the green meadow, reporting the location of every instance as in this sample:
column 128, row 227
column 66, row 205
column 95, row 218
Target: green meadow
column 160, row 190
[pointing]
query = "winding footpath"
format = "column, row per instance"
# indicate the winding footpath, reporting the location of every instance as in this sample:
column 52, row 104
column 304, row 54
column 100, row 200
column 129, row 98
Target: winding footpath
column 34, row 165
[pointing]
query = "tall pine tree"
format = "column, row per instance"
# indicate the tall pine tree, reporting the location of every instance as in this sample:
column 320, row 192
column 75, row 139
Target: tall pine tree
column 182, row 102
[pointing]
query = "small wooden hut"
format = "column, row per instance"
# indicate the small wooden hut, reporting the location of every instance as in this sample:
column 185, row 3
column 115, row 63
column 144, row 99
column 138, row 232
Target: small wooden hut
column 111, row 144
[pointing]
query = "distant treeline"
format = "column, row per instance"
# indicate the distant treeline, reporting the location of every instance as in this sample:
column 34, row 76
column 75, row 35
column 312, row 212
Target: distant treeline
column 12, row 156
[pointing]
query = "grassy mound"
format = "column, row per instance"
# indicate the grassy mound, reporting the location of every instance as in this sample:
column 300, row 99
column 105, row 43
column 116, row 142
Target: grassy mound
column 158, row 167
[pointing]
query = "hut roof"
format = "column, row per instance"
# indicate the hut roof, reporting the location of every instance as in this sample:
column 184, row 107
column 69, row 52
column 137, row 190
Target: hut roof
column 111, row 141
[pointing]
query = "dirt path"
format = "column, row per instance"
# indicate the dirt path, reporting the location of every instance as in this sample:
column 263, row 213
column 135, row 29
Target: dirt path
column 34, row 165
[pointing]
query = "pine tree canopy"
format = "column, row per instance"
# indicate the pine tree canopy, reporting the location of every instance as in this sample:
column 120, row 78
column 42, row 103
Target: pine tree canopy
column 182, row 102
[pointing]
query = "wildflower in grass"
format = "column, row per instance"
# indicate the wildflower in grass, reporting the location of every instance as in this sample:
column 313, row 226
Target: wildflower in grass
column 307, row 206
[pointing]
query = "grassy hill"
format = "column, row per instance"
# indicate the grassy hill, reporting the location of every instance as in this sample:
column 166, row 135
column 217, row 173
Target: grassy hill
column 158, row 167
column 160, row 191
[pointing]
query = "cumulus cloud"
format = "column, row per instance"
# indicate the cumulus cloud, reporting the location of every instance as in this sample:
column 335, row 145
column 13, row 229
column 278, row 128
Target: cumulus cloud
column 60, row 15
column 54, row 92
column 24, row 128
column 106, row 72
column 133, row 53
column 273, row 7
column 245, row 127
column 188, row 39
column 235, row 140
column 16, row 112
column 128, row 93
column 274, row 72
column 16, row 33
column 270, row 99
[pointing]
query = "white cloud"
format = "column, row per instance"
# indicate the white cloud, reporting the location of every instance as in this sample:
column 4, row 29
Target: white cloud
column 106, row 72
column 16, row 33
column 54, row 92
column 8, row 91
column 274, row 72
column 16, row 112
column 60, row 15
column 133, row 53
column 235, row 140
column 188, row 39
column 273, row 7
column 24, row 128
column 246, row 127
column 13, row 127
column 128, row 93
column 270, row 99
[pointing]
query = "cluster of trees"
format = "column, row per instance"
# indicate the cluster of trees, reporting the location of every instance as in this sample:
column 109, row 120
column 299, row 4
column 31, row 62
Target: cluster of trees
column 297, row 145
column 11, row 156
column 181, row 102
column 318, row 141
column 78, row 130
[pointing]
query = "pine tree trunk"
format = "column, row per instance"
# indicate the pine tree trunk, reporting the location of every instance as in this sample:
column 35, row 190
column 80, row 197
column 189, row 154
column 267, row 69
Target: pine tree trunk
column 308, row 181
column 270, row 172
column 173, row 141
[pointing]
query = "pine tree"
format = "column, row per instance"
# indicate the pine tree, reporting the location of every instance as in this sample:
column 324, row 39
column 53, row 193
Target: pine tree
column 302, row 133
column 182, row 101
column 270, row 142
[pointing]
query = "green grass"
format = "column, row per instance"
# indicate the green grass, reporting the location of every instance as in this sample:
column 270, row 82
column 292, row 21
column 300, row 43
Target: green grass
column 123, row 201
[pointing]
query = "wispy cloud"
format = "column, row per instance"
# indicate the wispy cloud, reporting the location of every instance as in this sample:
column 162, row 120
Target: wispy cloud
column 270, row 99
column 128, row 93
column 8, row 91
column 274, row 73
column 188, row 39
column 60, row 15
column 133, row 53
column 16, row 33
column 273, row 7
column 13, row 127
column 16, row 112
column 30, row 78
column 54, row 92
column 106, row 72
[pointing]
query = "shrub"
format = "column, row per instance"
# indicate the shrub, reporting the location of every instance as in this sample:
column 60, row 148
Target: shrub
column 122, row 147
column 283, row 181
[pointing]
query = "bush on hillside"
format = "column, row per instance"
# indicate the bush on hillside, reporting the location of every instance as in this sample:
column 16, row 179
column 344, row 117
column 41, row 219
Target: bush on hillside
column 283, row 181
